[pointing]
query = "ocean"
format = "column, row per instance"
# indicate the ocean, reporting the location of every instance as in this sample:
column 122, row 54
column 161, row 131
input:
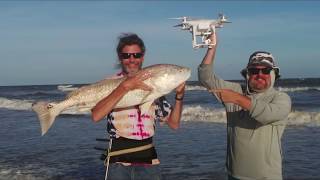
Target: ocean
column 196, row 151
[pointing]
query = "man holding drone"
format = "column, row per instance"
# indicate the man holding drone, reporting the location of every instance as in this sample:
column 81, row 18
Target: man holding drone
column 256, row 115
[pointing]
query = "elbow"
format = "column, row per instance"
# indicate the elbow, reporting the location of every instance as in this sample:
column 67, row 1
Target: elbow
column 204, row 81
column 176, row 127
column 203, row 78
column 95, row 116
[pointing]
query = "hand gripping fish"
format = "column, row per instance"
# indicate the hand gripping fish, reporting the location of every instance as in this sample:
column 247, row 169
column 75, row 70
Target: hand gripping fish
column 164, row 78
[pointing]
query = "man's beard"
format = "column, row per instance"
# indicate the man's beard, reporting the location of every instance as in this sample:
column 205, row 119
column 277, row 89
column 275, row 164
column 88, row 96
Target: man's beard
column 131, row 71
column 259, row 88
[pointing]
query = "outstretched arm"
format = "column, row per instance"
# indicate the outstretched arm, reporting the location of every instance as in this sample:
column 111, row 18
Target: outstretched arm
column 230, row 96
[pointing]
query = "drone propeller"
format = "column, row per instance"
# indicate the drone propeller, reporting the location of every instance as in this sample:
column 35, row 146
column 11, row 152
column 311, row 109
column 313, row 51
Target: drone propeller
column 223, row 18
column 178, row 25
column 183, row 17
column 225, row 21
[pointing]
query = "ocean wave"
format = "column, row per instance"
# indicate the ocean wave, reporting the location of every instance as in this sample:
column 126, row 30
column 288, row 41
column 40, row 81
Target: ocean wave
column 18, row 104
column 27, row 172
column 199, row 113
column 32, row 94
column 283, row 89
column 66, row 88
column 189, row 113
column 195, row 87
column 302, row 118
column 15, row 104
column 17, row 174
column 294, row 89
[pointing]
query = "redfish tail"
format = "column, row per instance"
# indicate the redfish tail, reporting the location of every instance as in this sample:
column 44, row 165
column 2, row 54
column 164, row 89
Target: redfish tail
column 47, row 112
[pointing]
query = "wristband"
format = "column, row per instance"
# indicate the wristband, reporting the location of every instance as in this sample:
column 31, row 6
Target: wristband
column 179, row 99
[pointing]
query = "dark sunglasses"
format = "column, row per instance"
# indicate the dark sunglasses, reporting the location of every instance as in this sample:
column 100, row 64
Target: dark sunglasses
column 252, row 71
column 128, row 55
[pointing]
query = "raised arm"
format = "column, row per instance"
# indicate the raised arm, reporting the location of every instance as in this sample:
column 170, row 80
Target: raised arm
column 211, row 52
column 225, row 91
column 175, row 115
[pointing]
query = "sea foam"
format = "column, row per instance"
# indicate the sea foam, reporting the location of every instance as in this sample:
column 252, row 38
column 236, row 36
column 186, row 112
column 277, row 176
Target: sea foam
column 70, row 87
column 15, row 104
column 189, row 113
column 66, row 88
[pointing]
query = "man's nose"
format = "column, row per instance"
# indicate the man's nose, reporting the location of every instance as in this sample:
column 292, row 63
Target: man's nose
column 131, row 58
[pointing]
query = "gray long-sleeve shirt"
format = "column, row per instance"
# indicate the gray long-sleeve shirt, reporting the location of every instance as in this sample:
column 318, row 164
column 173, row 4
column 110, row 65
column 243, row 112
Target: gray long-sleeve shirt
column 254, row 135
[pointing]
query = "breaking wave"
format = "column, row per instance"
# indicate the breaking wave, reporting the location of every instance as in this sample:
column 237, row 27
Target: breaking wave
column 283, row 89
column 16, row 174
column 66, row 88
column 189, row 113
column 199, row 113
column 18, row 104
column 15, row 104
column 28, row 172
column 294, row 89
column 196, row 87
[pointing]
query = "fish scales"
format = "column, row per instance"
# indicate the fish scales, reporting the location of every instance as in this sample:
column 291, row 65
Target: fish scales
column 164, row 78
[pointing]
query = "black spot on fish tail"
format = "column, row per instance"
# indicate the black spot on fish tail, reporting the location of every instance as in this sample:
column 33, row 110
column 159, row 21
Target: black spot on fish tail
column 49, row 106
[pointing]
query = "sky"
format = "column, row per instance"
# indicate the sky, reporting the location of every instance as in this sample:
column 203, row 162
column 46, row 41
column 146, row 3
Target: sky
column 74, row 42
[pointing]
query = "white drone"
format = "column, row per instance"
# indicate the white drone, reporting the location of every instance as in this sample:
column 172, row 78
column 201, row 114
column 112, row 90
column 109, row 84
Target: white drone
column 201, row 27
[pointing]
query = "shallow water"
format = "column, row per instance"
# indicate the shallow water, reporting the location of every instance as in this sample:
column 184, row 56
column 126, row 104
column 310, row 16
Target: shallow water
column 195, row 151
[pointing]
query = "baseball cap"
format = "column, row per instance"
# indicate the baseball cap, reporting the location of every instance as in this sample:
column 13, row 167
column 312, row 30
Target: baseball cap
column 262, row 58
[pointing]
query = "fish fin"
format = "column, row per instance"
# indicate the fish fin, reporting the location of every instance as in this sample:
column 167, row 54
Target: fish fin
column 47, row 113
column 85, row 107
column 144, row 108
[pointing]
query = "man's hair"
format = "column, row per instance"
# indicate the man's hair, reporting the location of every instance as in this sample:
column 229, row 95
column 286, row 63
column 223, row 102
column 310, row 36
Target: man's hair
column 130, row 39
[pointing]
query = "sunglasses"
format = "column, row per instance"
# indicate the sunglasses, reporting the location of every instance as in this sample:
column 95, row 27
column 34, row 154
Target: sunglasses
column 253, row 71
column 128, row 55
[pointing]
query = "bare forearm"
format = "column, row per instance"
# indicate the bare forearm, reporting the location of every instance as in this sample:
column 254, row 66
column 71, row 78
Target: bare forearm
column 243, row 101
column 209, row 57
column 175, row 115
column 105, row 106
column 230, row 96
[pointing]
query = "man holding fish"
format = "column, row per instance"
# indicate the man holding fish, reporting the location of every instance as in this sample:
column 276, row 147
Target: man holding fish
column 131, row 154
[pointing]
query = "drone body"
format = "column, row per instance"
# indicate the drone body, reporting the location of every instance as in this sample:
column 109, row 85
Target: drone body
column 202, row 28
